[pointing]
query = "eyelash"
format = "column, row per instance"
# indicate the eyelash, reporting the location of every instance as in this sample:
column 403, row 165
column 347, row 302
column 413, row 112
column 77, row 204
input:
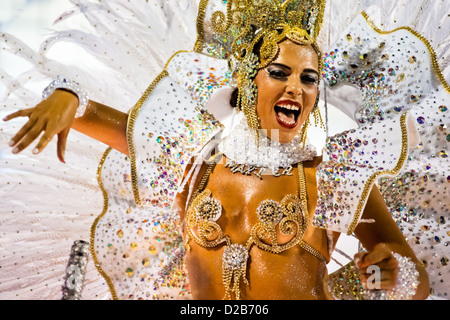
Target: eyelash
column 277, row 74
column 280, row 75
column 309, row 79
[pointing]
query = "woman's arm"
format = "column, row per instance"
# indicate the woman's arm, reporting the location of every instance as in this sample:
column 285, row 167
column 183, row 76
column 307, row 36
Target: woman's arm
column 104, row 124
column 55, row 116
column 381, row 237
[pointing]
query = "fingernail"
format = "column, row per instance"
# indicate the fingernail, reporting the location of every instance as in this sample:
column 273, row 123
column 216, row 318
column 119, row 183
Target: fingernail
column 15, row 150
column 35, row 151
column 11, row 143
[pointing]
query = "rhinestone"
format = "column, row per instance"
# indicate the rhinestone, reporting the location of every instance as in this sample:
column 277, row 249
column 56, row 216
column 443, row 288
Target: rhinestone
column 209, row 209
column 412, row 59
column 235, row 256
column 269, row 212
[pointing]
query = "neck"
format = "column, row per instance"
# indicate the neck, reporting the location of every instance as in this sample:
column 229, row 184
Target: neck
column 244, row 146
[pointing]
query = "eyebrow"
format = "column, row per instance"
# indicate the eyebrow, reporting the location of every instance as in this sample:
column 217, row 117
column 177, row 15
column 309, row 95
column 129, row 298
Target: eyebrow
column 289, row 68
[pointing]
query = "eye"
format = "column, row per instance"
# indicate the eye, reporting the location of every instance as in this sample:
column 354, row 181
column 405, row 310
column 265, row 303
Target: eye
column 309, row 79
column 277, row 74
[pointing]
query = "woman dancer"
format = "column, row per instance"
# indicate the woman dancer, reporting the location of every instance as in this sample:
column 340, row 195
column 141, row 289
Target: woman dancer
column 244, row 231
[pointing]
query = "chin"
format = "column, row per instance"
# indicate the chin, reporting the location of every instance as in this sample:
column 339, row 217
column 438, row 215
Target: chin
column 282, row 135
column 287, row 138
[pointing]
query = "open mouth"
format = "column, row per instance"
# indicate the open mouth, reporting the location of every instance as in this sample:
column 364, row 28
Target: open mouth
column 287, row 114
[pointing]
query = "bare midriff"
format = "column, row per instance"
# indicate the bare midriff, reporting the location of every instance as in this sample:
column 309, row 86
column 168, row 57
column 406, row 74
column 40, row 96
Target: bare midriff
column 290, row 274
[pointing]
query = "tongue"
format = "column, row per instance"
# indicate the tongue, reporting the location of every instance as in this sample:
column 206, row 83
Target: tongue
column 286, row 116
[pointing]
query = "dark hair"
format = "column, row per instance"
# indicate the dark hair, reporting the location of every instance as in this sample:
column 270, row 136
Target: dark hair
column 234, row 98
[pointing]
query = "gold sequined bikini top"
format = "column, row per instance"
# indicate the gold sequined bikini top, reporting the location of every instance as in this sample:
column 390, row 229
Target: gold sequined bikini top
column 290, row 217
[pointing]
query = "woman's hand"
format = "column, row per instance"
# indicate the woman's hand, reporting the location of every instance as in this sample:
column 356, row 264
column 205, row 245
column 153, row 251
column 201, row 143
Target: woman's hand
column 381, row 237
column 53, row 116
column 378, row 268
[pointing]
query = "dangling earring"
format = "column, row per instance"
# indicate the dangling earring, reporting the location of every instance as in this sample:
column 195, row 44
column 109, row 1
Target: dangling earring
column 248, row 92
column 304, row 132
column 317, row 120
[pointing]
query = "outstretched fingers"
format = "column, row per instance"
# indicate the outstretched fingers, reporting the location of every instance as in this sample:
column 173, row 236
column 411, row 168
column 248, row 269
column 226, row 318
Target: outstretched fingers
column 52, row 116
column 19, row 113
column 23, row 131
column 27, row 134
column 43, row 142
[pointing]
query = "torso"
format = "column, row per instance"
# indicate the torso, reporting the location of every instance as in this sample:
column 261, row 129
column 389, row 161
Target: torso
column 291, row 274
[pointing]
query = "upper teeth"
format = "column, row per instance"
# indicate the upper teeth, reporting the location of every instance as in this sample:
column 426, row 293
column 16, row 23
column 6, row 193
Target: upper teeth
column 290, row 107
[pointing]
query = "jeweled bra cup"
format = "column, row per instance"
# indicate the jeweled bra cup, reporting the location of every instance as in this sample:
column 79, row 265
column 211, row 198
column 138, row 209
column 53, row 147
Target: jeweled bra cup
column 288, row 217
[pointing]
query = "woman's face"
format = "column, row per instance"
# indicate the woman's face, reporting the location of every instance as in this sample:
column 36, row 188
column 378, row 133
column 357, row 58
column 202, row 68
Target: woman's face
column 287, row 90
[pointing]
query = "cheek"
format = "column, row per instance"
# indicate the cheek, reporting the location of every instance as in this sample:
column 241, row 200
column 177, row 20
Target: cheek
column 269, row 92
column 309, row 100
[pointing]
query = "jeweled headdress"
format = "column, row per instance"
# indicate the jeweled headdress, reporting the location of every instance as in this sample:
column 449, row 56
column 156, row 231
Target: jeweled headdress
column 247, row 32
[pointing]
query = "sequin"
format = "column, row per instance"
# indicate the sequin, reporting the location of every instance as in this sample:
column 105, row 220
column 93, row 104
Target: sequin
column 412, row 59
column 420, row 120
column 437, row 239
column 152, row 249
column 129, row 272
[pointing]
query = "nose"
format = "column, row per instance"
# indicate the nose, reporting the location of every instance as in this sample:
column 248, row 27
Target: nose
column 294, row 87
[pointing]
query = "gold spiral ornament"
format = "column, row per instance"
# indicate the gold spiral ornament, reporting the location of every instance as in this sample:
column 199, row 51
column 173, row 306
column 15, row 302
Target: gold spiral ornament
column 219, row 22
